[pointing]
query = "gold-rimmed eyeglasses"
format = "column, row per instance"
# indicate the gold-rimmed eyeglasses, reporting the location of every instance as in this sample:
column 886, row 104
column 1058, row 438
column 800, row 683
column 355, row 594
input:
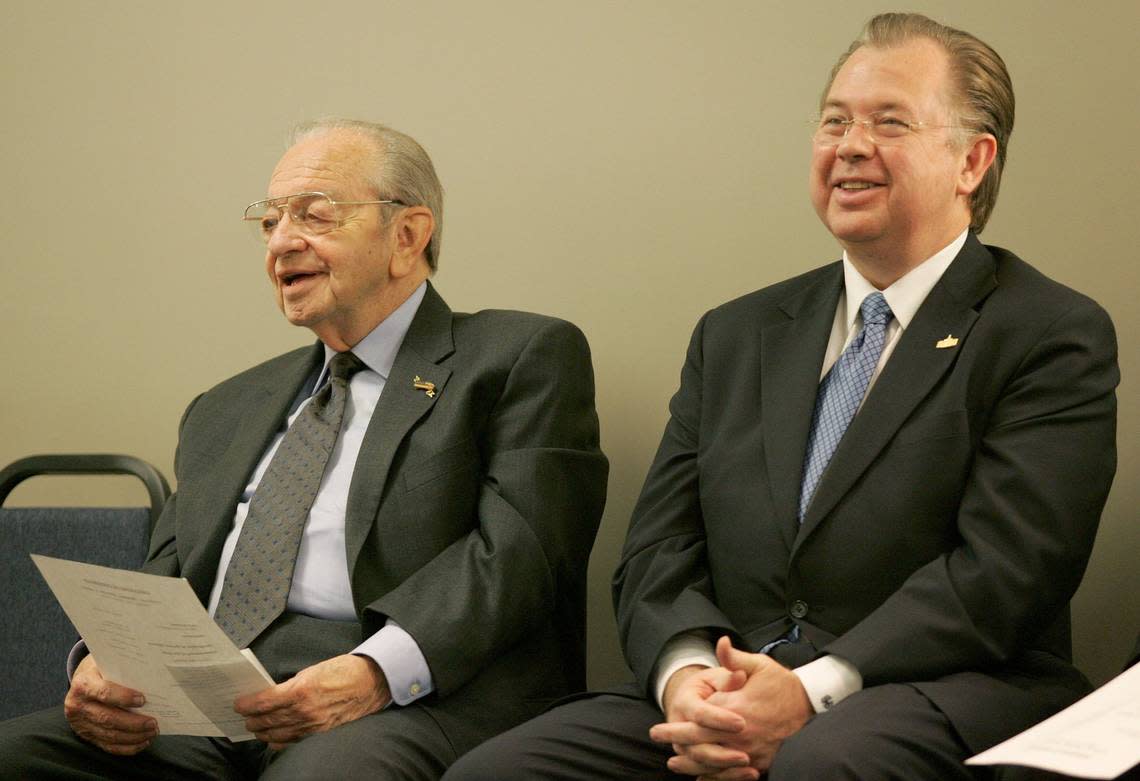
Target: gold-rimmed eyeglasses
column 313, row 213
column 883, row 128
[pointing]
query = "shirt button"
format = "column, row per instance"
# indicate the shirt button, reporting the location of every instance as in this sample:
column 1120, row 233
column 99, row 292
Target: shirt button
column 415, row 689
column 799, row 609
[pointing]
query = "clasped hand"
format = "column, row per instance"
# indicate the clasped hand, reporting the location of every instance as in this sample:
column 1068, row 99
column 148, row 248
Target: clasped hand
column 316, row 699
column 726, row 723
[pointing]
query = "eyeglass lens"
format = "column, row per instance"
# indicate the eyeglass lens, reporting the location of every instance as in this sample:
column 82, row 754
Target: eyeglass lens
column 880, row 129
column 312, row 213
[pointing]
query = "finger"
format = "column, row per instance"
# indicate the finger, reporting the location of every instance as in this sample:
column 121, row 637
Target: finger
column 280, row 736
column 112, row 733
column 685, row 766
column 287, row 724
column 712, row 755
column 706, row 714
column 735, row 659
column 109, row 719
column 110, row 740
column 688, row 766
column 264, row 702
column 124, row 750
column 722, row 679
column 733, row 774
column 93, row 686
column 113, row 740
column 687, row 733
column 112, row 693
column 735, row 681
column 279, row 719
column 116, row 741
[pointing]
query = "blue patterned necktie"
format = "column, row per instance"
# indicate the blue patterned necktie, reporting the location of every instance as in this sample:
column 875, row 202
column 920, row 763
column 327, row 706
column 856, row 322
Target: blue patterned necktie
column 260, row 573
column 841, row 392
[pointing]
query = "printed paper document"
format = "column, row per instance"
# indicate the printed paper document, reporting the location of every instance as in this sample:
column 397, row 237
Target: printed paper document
column 1097, row 737
column 151, row 633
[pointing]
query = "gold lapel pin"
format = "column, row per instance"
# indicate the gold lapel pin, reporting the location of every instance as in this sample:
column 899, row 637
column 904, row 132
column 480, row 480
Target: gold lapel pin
column 949, row 341
column 427, row 387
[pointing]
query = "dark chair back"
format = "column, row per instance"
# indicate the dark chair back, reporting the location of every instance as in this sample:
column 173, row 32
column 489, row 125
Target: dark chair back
column 37, row 634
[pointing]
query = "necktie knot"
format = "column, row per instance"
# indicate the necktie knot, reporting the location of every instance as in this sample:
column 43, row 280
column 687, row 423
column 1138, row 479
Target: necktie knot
column 344, row 365
column 875, row 309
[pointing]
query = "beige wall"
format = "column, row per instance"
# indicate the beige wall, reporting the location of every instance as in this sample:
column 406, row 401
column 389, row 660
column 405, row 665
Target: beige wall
column 623, row 165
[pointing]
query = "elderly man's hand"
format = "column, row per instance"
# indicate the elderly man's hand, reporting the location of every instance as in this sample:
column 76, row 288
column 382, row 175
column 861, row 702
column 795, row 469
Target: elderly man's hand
column 99, row 712
column 773, row 704
column 326, row 695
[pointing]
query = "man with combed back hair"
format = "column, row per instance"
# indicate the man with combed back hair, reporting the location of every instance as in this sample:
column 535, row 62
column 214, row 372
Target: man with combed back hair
column 880, row 482
column 396, row 519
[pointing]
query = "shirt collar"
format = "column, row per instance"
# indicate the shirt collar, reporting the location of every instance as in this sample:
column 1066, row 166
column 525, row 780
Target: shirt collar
column 907, row 292
column 378, row 349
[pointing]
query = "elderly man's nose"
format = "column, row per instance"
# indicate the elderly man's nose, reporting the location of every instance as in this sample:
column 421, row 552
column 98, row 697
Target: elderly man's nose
column 285, row 236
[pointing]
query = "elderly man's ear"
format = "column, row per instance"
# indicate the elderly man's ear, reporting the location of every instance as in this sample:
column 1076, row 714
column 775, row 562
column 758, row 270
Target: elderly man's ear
column 413, row 228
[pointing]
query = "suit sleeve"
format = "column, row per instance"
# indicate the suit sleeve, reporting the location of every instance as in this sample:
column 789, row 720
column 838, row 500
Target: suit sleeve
column 662, row 586
column 162, row 557
column 538, row 509
column 1026, row 522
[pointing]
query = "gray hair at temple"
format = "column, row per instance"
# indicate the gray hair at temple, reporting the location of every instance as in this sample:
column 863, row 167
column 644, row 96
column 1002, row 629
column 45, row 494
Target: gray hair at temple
column 403, row 172
column 984, row 101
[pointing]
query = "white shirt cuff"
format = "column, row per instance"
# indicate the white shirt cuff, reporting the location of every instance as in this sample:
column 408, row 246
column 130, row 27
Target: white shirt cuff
column 828, row 680
column 681, row 651
column 402, row 661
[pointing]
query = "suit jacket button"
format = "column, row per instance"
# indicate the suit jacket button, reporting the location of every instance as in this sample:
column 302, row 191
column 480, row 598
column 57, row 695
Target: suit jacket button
column 799, row 609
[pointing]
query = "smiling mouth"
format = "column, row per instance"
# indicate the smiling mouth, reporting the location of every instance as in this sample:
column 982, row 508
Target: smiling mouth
column 857, row 185
column 289, row 280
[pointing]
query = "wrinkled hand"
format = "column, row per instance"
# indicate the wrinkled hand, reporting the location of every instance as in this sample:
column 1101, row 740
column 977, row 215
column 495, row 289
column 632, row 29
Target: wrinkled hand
column 694, row 724
column 325, row 695
column 98, row 710
column 772, row 702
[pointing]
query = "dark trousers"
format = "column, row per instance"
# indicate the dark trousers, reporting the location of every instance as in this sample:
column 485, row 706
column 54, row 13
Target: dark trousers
column 884, row 732
column 399, row 743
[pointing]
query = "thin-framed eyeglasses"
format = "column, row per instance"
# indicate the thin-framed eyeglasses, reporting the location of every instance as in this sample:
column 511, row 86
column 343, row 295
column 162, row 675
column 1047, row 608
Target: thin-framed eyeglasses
column 313, row 213
column 883, row 128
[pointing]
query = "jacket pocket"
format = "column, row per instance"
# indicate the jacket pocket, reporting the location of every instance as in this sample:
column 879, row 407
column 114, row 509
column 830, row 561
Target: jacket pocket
column 941, row 426
column 462, row 455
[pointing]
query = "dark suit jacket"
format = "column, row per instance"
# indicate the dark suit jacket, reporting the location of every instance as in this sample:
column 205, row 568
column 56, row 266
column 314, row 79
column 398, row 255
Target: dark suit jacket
column 953, row 524
column 470, row 516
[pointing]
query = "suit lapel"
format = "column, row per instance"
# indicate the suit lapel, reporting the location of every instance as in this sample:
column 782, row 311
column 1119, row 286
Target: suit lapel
column 791, row 357
column 401, row 404
column 261, row 418
column 912, row 371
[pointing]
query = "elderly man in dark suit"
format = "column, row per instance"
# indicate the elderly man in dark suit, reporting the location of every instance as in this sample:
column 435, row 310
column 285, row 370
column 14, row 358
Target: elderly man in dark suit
column 880, row 481
column 397, row 519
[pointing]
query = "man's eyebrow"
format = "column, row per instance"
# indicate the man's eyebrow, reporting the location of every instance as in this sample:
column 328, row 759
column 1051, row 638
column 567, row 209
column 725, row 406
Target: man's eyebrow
column 889, row 105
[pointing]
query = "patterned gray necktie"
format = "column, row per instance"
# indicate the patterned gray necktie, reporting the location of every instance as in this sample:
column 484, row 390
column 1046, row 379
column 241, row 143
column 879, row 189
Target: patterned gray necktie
column 260, row 574
column 841, row 392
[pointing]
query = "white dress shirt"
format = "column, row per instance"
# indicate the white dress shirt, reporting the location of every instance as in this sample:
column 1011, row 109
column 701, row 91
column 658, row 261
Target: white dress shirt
column 830, row 679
